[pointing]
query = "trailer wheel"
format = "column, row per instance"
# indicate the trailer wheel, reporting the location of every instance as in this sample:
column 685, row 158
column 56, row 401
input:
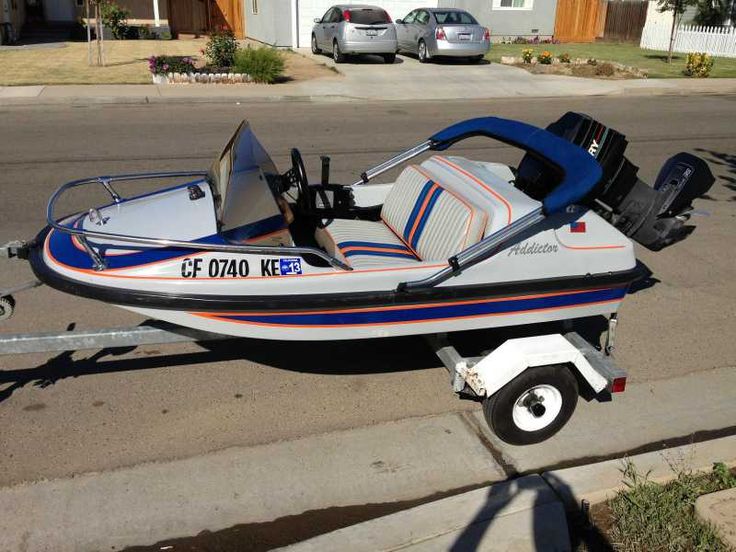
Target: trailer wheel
column 533, row 406
column 7, row 306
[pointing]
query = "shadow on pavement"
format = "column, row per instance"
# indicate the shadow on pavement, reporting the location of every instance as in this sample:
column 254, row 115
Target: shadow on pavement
column 582, row 533
column 337, row 358
column 724, row 165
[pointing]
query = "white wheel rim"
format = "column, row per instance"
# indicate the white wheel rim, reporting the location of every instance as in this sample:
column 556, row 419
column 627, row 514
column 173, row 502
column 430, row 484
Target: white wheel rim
column 422, row 51
column 537, row 407
column 335, row 51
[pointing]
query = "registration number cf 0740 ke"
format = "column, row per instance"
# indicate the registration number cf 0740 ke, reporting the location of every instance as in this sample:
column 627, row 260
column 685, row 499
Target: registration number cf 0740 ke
column 198, row 267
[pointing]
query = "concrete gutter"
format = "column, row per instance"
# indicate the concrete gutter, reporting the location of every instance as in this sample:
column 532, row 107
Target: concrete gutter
column 524, row 514
column 391, row 462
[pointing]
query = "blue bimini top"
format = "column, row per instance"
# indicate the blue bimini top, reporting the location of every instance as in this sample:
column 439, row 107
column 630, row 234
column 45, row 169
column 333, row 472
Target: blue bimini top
column 581, row 172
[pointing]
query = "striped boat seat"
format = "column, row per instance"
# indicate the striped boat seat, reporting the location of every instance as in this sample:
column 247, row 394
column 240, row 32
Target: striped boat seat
column 420, row 221
column 364, row 244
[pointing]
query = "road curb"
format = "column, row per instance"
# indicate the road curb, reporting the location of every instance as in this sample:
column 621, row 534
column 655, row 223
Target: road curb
column 719, row 510
column 601, row 481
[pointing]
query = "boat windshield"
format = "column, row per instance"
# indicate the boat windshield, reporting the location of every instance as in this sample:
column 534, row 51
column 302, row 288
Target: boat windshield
column 246, row 204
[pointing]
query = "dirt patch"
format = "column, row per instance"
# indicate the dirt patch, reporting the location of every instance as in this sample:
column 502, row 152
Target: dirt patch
column 301, row 68
column 594, row 69
column 599, row 71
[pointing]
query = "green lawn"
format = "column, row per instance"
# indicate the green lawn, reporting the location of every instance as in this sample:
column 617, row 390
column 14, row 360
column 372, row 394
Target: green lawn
column 654, row 62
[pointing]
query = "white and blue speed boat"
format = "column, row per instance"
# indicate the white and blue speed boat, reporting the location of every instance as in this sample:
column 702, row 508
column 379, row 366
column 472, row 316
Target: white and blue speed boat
column 451, row 244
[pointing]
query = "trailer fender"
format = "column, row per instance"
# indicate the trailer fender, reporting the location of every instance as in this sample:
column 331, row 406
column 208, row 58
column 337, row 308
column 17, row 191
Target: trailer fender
column 514, row 356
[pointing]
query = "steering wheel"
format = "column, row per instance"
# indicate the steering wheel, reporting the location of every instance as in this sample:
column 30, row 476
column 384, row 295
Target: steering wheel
column 306, row 199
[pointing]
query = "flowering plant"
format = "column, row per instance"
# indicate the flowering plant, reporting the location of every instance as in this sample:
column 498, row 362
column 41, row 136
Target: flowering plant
column 160, row 65
column 564, row 57
column 698, row 65
column 527, row 54
column 545, row 58
column 221, row 48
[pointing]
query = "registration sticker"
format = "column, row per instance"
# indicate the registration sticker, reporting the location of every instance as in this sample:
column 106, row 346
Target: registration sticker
column 290, row 267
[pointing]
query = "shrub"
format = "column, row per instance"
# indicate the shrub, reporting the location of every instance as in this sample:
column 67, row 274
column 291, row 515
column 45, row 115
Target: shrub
column 264, row 64
column 115, row 18
column 605, row 70
column 160, row 65
column 698, row 65
column 144, row 33
column 221, row 48
column 564, row 57
column 545, row 58
column 592, row 61
column 527, row 54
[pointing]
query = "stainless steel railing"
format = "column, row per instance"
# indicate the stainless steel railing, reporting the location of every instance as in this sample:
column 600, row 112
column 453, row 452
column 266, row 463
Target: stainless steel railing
column 106, row 182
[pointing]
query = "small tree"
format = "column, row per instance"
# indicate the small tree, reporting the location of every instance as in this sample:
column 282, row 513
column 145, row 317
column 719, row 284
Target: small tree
column 677, row 7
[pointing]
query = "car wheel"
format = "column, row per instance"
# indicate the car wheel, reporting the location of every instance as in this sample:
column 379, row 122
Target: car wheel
column 422, row 52
column 337, row 55
column 315, row 48
column 533, row 406
column 389, row 58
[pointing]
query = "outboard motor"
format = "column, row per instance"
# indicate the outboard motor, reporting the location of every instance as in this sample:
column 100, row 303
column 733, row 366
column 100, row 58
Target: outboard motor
column 653, row 216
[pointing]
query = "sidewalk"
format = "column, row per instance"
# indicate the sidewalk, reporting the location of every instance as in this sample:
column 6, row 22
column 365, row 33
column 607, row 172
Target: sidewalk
column 368, row 80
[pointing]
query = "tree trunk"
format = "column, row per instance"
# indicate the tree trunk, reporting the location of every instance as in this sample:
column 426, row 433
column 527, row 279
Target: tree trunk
column 672, row 35
column 89, row 34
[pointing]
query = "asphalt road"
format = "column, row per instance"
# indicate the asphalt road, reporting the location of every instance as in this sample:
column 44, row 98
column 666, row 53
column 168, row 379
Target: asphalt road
column 98, row 410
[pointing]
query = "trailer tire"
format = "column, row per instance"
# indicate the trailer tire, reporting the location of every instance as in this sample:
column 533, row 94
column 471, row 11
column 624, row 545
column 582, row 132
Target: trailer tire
column 533, row 406
column 7, row 306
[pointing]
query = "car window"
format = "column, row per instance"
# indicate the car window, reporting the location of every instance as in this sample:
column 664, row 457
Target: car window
column 423, row 17
column 326, row 16
column 369, row 16
column 456, row 17
column 334, row 15
column 410, row 18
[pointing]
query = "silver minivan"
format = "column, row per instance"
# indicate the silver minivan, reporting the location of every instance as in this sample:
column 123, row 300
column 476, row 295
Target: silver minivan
column 355, row 29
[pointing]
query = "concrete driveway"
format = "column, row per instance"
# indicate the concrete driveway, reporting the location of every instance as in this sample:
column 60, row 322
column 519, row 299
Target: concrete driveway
column 368, row 77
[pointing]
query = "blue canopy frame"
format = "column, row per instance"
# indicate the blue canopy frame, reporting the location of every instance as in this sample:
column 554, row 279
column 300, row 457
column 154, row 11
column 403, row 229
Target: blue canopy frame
column 581, row 172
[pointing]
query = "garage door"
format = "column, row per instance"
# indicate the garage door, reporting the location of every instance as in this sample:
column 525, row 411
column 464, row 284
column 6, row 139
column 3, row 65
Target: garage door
column 311, row 9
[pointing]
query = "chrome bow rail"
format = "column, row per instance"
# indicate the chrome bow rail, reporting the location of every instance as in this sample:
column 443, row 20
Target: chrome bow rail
column 106, row 182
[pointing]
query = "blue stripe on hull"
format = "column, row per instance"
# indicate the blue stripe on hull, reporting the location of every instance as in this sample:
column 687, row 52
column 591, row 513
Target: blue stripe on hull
column 429, row 313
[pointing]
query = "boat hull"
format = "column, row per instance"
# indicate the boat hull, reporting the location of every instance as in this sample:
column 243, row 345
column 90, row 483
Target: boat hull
column 398, row 320
column 362, row 315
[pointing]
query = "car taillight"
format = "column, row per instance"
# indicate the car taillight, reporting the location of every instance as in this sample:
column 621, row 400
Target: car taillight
column 486, row 34
column 346, row 16
column 388, row 17
column 439, row 34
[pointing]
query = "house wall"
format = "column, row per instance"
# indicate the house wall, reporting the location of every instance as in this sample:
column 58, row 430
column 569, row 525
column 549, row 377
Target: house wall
column 272, row 23
column 540, row 20
column 60, row 10
column 309, row 10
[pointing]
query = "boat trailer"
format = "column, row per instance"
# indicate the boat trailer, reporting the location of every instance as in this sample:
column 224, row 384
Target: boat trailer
column 525, row 379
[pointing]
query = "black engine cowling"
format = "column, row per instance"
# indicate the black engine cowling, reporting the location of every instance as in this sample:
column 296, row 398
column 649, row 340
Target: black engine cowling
column 653, row 216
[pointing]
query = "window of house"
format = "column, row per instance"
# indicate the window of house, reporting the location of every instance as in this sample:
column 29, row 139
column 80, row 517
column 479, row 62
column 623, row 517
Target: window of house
column 254, row 6
column 513, row 4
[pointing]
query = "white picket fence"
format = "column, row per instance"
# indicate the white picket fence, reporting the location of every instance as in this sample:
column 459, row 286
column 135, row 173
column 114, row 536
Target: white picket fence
column 717, row 41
